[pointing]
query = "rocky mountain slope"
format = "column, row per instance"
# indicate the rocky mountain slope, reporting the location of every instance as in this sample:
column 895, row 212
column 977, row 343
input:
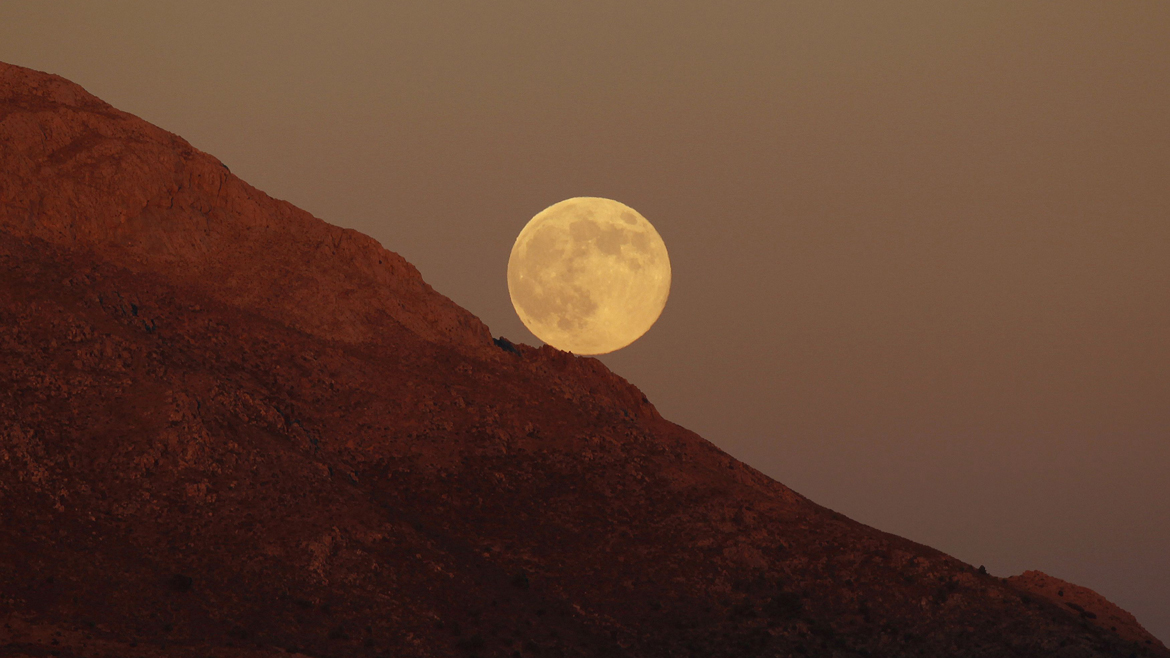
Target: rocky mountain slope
column 1085, row 603
column 228, row 428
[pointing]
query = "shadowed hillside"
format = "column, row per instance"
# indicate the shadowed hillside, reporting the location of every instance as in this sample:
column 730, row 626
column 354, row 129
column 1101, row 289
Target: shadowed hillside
column 228, row 428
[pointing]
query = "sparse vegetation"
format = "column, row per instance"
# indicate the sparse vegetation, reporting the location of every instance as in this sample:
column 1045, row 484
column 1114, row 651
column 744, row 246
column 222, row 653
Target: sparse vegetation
column 473, row 643
column 784, row 606
column 520, row 580
column 181, row 583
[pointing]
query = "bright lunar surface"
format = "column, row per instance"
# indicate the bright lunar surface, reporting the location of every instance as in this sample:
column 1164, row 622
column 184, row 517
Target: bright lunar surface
column 589, row 275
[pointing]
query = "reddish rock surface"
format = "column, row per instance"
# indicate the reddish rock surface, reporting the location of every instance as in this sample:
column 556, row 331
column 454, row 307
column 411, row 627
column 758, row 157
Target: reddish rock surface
column 228, row 428
column 78, row 173
column 1086, row 604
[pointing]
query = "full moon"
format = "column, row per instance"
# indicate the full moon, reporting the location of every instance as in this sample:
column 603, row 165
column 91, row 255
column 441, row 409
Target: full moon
column 589, row 275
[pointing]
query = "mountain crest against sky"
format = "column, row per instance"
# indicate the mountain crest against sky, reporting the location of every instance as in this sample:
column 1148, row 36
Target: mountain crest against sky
column 149, row 201
column 229, row 428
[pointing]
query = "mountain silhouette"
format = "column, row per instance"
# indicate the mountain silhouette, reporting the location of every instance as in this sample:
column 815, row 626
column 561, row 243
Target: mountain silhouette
column 229, row 428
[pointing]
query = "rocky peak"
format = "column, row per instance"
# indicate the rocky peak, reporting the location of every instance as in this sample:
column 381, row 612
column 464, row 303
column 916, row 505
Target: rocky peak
column 82, row 175
column 1083, row 603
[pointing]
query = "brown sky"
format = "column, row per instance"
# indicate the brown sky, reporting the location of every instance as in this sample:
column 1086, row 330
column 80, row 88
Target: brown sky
column 921, row 250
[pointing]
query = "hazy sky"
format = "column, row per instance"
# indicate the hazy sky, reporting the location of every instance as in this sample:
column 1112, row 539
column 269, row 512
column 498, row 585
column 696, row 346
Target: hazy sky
column 921, row 250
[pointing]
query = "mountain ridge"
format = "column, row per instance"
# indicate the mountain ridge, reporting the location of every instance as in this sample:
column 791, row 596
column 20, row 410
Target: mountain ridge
column 187, row 215
column 228, row 427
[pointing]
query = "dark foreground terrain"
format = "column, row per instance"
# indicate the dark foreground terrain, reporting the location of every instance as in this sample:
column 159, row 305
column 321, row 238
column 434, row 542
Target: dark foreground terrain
column 228, row 428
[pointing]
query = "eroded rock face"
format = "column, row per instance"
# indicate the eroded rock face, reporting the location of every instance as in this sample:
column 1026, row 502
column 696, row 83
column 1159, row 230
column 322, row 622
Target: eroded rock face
column 138, row 196
column 227, row 428
column 1084, row 603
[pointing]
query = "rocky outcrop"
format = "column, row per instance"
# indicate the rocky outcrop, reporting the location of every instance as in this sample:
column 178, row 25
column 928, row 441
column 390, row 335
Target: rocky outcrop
column 140, row 197
column 1084, row 603
column 228, row 428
